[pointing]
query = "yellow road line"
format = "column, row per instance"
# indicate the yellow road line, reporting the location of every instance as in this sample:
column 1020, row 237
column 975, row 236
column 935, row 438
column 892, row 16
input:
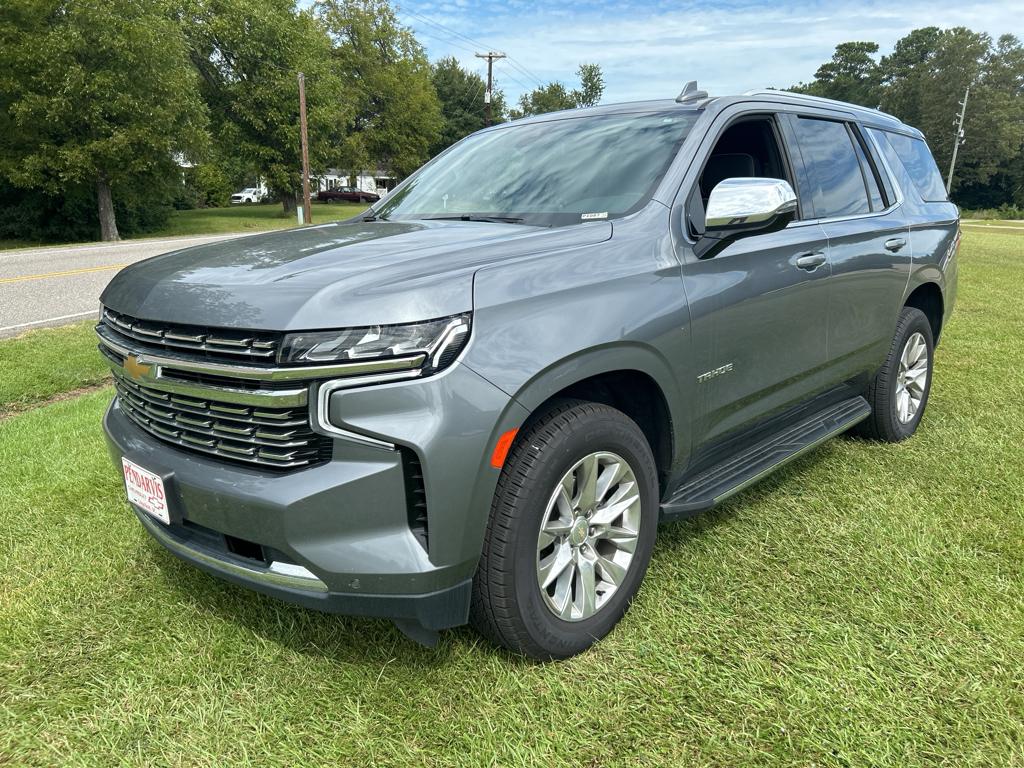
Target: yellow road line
column 65, row 273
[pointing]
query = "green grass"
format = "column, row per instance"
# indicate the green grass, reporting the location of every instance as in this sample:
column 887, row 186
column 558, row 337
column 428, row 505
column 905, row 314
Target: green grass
column 994, row 223
column 40, row 364
column 246, row 218
column 863, row 607
column 238, row 218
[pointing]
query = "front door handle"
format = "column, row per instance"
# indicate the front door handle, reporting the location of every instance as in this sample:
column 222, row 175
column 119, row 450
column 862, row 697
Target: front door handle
column 895, row 244
column 810, row 261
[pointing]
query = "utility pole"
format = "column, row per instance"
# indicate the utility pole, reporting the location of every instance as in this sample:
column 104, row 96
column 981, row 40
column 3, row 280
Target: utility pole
column 959, row 139
column 490, row 56
column 307, row 213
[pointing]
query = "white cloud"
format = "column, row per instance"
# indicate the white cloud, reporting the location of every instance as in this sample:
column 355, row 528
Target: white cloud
column 649, row 52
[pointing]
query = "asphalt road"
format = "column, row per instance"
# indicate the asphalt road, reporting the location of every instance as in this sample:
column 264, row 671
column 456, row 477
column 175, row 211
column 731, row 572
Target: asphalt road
column 62, row 284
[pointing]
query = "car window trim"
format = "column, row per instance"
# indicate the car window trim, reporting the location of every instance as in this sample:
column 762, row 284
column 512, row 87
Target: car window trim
column 852, row 217
column 862, row 158
column 885, row 180
column 889, row 170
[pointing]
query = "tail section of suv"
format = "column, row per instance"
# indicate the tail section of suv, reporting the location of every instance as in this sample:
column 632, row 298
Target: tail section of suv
column 477, row 400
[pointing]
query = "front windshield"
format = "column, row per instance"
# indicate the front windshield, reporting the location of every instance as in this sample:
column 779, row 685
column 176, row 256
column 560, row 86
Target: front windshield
column 549, row 173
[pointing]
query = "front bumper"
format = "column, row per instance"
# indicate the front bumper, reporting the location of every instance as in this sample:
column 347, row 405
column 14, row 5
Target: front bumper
column 444, row 608
column 336, row 536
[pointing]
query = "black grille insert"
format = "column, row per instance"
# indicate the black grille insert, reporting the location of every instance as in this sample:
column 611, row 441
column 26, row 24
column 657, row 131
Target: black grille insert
column 416, row 497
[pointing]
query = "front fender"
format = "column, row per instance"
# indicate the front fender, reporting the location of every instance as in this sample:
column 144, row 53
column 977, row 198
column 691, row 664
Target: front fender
column 541, row 325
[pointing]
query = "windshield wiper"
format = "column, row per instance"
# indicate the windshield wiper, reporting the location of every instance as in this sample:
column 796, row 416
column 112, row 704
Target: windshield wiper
column 471, row 217
column 374, row 217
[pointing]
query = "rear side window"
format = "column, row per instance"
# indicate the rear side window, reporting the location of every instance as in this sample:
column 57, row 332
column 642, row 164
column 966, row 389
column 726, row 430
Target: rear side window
column 920, row 165
column 837, row 185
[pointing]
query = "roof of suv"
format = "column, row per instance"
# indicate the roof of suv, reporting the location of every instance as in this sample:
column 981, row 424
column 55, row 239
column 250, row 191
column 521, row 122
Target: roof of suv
column 863, row 114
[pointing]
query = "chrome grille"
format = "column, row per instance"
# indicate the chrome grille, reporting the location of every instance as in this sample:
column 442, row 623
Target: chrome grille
column 272, row 437
column 212, row 344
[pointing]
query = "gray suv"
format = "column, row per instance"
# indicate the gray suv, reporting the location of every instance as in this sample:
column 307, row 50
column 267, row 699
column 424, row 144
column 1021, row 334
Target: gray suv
column 476, row 401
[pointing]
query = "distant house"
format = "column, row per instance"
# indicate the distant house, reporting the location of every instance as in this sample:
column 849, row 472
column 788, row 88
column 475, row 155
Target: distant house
column 379, row 181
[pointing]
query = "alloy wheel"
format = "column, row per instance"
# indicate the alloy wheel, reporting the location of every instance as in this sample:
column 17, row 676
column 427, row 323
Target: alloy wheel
column 588, row 536
column 911, row 378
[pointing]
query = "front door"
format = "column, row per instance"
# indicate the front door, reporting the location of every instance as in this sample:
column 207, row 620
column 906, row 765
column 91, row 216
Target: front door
column 759, row 309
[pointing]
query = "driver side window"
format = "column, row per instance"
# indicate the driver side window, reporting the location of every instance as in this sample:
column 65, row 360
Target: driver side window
column 747, row 148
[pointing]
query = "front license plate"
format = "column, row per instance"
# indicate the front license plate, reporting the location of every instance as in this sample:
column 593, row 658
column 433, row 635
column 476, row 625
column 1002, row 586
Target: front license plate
column 146, row 490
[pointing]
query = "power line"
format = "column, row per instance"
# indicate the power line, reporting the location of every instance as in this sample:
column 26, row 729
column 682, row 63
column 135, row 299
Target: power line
column 449, row 30
column 514, row 62
column 448, row 41
column 516, row 81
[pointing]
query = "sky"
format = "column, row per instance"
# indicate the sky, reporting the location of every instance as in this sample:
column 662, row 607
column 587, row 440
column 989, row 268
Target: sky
column 650, row 48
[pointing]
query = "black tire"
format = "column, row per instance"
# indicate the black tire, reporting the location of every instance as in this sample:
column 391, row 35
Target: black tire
column 884, row 423
column 507, row 604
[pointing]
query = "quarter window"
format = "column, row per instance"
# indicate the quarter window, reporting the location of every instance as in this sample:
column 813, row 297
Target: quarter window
column 835, row 175
column 920, row 165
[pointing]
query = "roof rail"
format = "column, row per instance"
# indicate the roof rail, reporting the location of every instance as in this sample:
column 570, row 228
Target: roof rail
column 818, row 99
column 690, row 93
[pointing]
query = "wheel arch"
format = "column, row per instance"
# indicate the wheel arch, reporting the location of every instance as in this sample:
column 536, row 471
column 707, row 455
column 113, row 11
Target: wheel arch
column 629, row 377
column 928, row 298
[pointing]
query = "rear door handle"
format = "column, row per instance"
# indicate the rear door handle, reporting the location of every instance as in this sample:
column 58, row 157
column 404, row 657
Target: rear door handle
column 895, row 244
column 810, row 261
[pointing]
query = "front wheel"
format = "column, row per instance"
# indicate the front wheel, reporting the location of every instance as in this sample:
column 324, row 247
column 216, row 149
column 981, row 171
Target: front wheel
column 899, row 391
column 571, row 531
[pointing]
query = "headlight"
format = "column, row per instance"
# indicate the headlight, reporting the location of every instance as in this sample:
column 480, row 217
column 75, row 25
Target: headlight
column 439, row 340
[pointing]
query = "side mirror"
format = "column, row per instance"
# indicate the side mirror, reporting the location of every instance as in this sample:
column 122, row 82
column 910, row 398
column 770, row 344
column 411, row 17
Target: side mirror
column 742, row 207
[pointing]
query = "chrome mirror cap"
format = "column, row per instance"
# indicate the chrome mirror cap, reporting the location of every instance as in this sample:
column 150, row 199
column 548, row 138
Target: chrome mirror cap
column 746, row 202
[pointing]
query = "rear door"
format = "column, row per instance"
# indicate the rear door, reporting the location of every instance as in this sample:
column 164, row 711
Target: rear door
column 858, row 209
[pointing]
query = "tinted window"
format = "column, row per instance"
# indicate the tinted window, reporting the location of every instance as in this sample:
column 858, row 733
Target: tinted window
column 920, row 164
column 548, row 173
column 874, row 193
column 833, row 169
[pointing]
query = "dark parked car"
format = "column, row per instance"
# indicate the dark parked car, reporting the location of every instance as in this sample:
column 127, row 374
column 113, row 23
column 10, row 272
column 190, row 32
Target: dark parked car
column 477, row 400
column 346, row 194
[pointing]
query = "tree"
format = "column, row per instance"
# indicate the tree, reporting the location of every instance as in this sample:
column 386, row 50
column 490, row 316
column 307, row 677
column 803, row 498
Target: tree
column 925, row 79
column 461, row 94
column 397, row 115
column 249, row 54
column 94, row 92
column 555, row 96
column 851, row 75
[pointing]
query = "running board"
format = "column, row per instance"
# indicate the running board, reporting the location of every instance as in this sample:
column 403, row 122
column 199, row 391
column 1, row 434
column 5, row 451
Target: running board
column 737, row 472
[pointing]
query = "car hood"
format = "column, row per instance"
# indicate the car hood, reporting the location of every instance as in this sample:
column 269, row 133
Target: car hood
column 333, row 275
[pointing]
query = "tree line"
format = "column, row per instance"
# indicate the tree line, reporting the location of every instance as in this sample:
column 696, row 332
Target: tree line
column 923, row 82
column 113, row 111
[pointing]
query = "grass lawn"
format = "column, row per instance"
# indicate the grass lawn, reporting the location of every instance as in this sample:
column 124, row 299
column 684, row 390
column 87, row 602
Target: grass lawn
column 863, row 607
column 238, row 218
column 40, row 364
column 246, row 218
column 999, row 223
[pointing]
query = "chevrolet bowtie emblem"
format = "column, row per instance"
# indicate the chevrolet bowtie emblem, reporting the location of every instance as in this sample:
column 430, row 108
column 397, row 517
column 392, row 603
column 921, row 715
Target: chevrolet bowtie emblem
column 135, row 369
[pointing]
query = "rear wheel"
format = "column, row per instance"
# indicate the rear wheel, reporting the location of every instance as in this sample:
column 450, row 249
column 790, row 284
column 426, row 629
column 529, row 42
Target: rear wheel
column 898, row 394
column 571, row 531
